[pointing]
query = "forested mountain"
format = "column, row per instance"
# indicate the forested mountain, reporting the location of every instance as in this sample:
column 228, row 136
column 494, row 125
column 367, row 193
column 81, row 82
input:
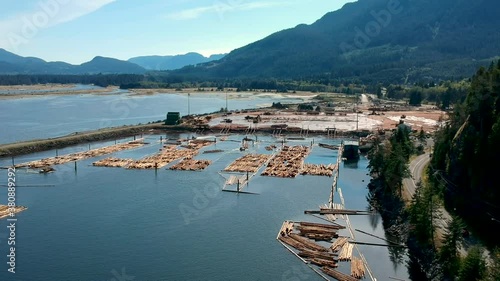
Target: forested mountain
column 467, row 150
column 172, row 62
column 374, row 40
column 13, row 64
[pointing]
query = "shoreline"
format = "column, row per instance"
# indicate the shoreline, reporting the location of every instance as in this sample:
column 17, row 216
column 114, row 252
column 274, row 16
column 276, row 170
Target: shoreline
column 39, row 145
column 47, row 90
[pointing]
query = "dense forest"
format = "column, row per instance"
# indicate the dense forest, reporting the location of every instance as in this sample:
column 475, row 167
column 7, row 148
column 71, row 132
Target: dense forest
column 465, row 154
column 461, row 175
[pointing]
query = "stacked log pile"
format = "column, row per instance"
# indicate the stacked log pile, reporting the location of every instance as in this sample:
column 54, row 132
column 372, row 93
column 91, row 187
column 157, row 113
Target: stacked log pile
column 191, row 165
column 309, row 250
column 46, row 162
column 318, row 232
column 357, row 268
column 288, row 163
column 338, row 244
column 248, row 163
column 346, row 252
column 319, row 170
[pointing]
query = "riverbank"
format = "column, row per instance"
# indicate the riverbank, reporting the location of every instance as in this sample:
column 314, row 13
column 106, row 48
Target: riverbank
column 32, row 146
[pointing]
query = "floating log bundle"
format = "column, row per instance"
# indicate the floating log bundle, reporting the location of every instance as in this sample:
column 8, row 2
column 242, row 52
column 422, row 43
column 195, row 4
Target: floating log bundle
column 46, row 162
column 169, row 154
column 339, row 243
column 288, row 163
column 5, row 210
column 337, row 274
column 318, row 232
column 346, row 252
column 191, row 165
column 319, row 170
column 357, row 268
column 271, row 147
column 248, row 163
column 113, row 162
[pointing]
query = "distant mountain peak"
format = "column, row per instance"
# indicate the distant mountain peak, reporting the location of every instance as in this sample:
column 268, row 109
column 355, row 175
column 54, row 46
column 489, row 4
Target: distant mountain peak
column 173, row 62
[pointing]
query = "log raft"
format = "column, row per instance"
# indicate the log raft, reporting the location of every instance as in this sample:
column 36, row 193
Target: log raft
column 337, row 274
column 63, row 159
column 5, row 210
column 288, row 163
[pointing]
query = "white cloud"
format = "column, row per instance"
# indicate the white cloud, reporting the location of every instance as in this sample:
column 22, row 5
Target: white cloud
column 20, row 28
column 220, row 7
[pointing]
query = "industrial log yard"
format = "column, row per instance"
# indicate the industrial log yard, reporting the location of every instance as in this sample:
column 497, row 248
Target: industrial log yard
column 324, row 246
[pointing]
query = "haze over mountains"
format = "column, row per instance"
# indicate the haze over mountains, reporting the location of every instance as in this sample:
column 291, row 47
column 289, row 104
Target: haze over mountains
column 13, row 64
column 172, row 62
column 371, row 40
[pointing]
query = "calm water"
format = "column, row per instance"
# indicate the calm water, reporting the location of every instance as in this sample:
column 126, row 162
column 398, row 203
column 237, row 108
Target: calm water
column 52, row 116
column 101, row 223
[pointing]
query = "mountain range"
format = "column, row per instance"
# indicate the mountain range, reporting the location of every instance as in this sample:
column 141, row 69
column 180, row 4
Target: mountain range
column 374, row 40
column 172, row 62
column 370, row 40
column 14, row 64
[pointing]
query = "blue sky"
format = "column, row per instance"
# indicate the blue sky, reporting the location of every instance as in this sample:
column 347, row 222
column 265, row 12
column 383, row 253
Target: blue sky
column 75, row 31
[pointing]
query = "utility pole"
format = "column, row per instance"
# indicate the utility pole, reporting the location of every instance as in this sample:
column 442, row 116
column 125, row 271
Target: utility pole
column 226, row 100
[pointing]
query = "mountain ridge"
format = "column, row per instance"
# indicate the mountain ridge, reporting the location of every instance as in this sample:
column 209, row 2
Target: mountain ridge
column 419, row 38
column 173, row 62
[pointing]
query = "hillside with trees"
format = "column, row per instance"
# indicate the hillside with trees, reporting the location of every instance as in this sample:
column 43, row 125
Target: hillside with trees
column 374, row 41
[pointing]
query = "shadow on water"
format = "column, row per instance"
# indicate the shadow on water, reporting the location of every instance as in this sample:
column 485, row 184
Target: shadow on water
column 351, row 164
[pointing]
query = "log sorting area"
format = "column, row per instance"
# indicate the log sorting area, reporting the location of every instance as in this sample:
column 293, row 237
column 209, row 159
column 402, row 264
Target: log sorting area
column 167, row 155
column 63, row 159
column 5, row 212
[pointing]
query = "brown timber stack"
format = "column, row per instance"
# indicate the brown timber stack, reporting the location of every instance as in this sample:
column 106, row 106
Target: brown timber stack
column 357, row 268
column 337, row 275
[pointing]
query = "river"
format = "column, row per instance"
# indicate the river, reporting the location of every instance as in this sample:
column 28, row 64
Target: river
column 107, row 223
